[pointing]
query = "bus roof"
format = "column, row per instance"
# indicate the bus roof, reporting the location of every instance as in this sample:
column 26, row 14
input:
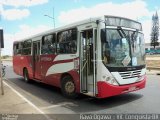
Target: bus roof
column 72, row 25
column 104, row 18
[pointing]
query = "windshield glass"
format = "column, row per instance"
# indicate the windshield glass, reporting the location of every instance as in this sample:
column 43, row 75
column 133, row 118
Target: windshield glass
column 122, row 48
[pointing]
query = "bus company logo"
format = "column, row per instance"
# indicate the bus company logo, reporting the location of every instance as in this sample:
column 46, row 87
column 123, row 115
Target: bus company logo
column 46, row 59
column 21, row 58
column 9, row 117
column 132, row 74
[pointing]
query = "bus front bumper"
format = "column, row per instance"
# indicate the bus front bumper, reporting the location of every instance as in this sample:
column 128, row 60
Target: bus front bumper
column 108, row 90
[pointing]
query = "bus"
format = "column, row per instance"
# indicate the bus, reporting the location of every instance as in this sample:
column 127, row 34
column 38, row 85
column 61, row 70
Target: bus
column 99, row 57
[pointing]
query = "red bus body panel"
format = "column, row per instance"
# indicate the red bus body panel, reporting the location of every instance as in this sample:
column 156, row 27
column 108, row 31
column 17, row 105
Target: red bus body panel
column 107, row 90
column 104, row 89
column 45, row 61
column 21, row 62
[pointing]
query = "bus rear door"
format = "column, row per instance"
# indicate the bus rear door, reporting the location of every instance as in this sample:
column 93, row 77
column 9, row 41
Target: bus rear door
column 36, row 60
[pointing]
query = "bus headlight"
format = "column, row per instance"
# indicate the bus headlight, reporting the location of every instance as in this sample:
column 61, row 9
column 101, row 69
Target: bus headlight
column 110, row 80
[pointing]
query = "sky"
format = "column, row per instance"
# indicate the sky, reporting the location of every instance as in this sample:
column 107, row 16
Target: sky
column 22, row 18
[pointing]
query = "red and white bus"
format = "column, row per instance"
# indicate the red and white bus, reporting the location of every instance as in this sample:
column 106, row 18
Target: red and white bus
column 99, row 57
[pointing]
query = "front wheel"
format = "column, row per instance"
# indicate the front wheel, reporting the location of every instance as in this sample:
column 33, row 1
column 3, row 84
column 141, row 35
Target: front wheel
column 26, row 76
column 68, row 87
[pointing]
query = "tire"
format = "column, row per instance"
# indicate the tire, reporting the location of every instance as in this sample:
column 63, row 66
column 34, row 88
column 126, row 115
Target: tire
column 26, row 76
column 68, row 87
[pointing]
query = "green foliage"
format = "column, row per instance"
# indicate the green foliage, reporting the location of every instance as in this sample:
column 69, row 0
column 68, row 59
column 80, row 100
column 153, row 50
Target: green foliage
column 5, row 57
column 155, row 30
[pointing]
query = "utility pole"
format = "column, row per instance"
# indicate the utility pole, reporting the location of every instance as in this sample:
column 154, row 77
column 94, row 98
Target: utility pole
column 54, row 18
column 51, row 17
column 1, row 46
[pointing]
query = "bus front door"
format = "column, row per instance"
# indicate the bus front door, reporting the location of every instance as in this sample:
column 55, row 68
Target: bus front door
column 36, row 60
column 87, row 62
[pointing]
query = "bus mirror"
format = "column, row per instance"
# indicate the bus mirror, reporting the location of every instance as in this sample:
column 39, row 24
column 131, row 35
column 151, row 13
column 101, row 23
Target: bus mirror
column 1, row 39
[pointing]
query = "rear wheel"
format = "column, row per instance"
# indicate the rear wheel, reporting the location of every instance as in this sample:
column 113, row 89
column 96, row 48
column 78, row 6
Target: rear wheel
column 26, row 76
column 68, row 87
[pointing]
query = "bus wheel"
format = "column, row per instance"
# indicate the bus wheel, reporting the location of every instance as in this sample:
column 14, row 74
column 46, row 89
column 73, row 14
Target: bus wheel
column 26, row 76
column 68, row 87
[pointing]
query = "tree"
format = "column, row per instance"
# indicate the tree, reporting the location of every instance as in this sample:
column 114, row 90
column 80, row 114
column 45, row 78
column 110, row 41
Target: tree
column 155, row 31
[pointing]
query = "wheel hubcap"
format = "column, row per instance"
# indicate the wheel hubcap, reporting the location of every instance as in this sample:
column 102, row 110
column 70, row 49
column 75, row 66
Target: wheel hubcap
column 25, row 76
column 69, row 87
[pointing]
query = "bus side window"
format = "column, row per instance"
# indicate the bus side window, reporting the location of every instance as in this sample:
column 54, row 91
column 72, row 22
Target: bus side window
column 67, row 41
column 26, row 47
column 17, row 48
column 48, row 44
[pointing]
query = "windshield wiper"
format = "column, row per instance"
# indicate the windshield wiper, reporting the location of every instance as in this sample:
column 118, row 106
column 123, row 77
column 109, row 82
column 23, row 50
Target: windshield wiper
column 134, row 35
column 121, row 32
column 123, row 35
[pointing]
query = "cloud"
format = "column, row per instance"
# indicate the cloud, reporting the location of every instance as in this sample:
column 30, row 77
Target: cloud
column 147, row 30
column 23, row 3
column 76, row 1
column 134, row 10
column 24, row 32
column 27, row 31
column 147, row 27
column 8, row 44
column 15, row 14
column 1, row 8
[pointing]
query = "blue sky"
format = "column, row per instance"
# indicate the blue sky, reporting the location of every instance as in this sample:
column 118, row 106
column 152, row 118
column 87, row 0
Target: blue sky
column 21, row 18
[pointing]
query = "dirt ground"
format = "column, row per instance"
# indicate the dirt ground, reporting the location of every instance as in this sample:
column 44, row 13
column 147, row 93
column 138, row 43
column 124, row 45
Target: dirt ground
column 153, row 60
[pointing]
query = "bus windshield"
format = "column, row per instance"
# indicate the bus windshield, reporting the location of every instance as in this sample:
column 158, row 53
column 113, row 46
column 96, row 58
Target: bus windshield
column 122, row 48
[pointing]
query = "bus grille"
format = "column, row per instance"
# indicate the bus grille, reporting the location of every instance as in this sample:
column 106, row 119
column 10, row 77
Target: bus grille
column 130, row 74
